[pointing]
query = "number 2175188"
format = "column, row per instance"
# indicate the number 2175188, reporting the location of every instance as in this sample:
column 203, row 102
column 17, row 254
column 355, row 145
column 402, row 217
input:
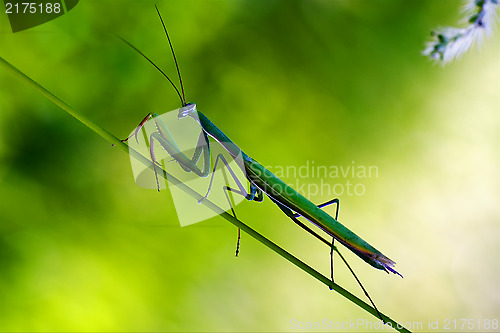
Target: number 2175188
column 32, row 8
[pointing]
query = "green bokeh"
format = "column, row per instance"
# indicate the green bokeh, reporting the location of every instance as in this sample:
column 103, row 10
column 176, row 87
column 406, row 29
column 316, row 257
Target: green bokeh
column 82, row 248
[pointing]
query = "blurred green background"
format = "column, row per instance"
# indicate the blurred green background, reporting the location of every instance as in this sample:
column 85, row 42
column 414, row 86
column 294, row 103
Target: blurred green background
column 82, row 248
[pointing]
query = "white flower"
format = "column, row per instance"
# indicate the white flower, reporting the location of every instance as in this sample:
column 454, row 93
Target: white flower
column 450, row 43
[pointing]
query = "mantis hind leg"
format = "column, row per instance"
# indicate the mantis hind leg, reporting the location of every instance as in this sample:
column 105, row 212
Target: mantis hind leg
column 293, row 216
column 332, row 244
column 333, row 201
column 336, row 200
column 330, row 202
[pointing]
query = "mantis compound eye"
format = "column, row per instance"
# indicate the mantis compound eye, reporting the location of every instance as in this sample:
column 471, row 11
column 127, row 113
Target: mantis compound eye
column 186, row 110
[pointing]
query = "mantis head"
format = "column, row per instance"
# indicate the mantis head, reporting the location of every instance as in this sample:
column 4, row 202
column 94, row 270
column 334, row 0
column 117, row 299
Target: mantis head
column 186, row 110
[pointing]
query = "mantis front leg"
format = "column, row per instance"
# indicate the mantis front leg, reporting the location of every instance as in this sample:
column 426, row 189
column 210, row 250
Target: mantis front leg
column 163, row 136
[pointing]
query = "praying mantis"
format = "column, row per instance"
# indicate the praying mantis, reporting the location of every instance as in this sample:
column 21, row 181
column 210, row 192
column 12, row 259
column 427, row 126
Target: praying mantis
column 261, row 181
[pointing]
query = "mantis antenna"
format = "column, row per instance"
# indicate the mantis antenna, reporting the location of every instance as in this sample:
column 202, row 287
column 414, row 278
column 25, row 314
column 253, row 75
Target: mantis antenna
column 173, row 54
column 158, row 68
column 181, row 97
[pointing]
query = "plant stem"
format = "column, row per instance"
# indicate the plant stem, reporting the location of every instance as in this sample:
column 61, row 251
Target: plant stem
column 279, row 250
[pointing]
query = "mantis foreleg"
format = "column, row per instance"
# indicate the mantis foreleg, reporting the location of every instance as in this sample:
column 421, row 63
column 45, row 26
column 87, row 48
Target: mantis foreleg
column 167, row 142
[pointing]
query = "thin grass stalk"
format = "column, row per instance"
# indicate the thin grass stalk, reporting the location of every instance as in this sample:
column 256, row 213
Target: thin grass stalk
column 197, row 196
